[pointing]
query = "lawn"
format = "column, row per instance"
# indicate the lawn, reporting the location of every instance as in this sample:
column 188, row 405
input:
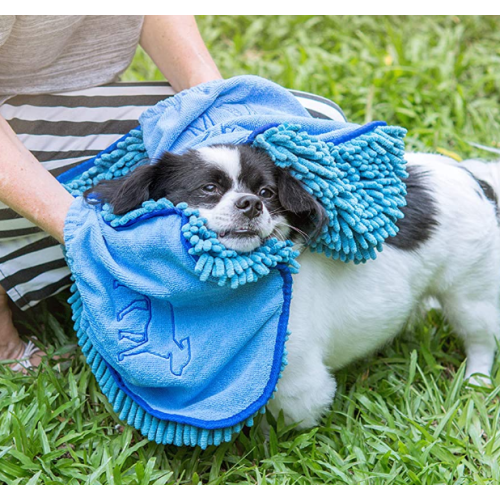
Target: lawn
column 403, row 416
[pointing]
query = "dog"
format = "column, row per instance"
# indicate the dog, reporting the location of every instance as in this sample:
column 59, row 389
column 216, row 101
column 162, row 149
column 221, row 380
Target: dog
column 447, row 249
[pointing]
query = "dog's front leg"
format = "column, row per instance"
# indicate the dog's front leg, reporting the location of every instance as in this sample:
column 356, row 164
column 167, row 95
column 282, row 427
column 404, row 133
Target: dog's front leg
column 306, row 390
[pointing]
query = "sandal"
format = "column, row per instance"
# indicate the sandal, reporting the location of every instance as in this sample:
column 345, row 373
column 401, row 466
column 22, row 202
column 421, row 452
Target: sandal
column 24, row 363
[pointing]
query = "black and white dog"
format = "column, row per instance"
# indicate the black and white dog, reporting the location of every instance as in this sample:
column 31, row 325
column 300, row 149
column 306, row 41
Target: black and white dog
column 448, row 249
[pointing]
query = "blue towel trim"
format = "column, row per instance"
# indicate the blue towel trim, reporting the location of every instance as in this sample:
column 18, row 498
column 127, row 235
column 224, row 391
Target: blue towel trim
column 259, row 131
column 150, row 215
column 117, row 160
column 363, row 129
column 358, row 182
column 77, row 170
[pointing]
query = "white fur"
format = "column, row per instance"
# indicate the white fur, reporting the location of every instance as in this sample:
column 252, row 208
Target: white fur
column 342, row 312
column 225, row 158
column 222, row 217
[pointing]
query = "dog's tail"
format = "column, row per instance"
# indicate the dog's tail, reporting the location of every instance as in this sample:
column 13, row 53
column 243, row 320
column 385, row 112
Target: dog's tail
column 488, row 171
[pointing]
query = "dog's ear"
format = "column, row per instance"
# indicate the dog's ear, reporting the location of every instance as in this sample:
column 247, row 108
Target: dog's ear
column 305, row 211
column 129, row 192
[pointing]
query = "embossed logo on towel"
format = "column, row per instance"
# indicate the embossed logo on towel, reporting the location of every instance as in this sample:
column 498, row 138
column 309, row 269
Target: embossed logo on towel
column 134, row 315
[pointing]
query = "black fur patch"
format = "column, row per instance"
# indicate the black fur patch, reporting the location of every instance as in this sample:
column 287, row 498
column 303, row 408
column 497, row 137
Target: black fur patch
column 485, row 191
column 179, row 178
column 420, row 213
column 257, row 168
column 488, row 191
column 490, row 194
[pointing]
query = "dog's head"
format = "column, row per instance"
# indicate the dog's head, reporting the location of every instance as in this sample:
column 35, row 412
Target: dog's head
column 243, row 196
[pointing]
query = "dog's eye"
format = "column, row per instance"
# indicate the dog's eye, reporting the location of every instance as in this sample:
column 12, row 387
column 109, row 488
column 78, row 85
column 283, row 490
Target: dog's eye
column 210, row 188
column 266, row 193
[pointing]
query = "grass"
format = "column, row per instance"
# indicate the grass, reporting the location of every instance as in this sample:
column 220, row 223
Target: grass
column 403, row 416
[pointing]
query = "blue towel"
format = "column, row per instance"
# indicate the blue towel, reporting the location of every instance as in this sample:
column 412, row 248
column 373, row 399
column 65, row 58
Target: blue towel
column 183, row 351
column 161, row 342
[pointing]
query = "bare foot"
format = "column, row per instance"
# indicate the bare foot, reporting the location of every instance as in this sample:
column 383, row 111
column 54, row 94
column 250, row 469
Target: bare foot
column 11, row 346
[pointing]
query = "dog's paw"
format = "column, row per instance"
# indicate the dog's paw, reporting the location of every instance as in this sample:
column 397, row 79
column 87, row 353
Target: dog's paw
column 479, row 380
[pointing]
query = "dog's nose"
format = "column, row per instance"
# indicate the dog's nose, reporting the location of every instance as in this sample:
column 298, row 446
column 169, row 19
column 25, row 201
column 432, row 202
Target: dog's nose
column 250, row 205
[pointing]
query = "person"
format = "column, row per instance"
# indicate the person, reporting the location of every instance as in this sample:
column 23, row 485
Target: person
column 59, row 105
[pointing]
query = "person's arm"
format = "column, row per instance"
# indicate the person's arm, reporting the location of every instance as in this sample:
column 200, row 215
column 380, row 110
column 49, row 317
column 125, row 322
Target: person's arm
column 28, row 188
column 176, row 47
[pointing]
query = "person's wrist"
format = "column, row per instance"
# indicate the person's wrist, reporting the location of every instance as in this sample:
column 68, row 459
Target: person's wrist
column 198, row 78
column 63, row 206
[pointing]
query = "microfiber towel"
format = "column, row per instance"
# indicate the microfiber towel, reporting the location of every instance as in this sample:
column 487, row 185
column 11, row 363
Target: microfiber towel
column 186, row 337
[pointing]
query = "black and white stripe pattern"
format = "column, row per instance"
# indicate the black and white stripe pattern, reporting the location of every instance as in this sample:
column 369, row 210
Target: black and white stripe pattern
column 63, row 130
